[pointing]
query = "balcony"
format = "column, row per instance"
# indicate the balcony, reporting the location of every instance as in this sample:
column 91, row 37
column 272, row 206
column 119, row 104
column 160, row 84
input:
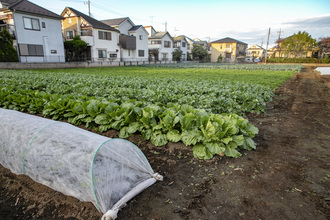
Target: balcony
column 228, row 50
column 154, row 46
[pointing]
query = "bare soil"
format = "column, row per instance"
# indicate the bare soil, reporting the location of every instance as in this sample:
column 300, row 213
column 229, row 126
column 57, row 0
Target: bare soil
column 287, row 177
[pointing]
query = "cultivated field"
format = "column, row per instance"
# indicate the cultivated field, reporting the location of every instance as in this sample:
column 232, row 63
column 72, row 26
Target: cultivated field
column 179, row 115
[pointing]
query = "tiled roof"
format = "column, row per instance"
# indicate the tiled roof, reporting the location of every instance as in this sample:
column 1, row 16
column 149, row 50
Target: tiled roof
column 228, row 40
column 134, row 28
column 114, row 22
column 95, row 23
column 158, row 35
column 29, row 7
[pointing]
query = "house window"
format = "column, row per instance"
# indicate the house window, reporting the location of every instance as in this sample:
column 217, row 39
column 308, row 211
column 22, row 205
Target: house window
column 188, row 47
column 165, row 56
column 31, row 50
column 183, row 44
column 102, row 53
column 141, row 53
column 141, row 37
column 156, row 42
column 228, row 55
column 104, row 35
column 69, row 35
column 167, row 43
column 69, row 20
column 129, row 53
column 31, row 24
column 43, row 24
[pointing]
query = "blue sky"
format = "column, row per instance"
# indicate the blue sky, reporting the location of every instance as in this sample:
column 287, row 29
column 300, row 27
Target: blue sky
column 244, row 20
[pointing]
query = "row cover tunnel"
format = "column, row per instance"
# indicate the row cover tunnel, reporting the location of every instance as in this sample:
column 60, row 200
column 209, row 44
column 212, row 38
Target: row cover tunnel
column 90, row 167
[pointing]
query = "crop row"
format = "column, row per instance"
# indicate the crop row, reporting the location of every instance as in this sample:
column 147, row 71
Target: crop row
column 217, row 96
column 209, row 134
column 272, row 67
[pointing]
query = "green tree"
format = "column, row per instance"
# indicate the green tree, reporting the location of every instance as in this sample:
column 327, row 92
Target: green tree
column 220, row 58
column 7, row 51
column 299, row 44
column 177, row 54
column 75, row 49
column 198, row 52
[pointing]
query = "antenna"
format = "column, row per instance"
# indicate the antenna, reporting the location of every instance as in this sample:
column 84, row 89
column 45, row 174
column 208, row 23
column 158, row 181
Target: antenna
column 165, row 26
column 175, row 30
column 89, row 7
column 152, row 19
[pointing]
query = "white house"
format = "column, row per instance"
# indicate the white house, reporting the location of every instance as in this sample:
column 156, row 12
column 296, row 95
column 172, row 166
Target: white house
column 102, row 39
column 256, row 51
column 133, row 39
column 181, row 43
column 160, row 45
column 36, row 31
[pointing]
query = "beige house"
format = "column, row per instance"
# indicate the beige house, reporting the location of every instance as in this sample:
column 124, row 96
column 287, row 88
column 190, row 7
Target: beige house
column 229, row 49
column 256, row 51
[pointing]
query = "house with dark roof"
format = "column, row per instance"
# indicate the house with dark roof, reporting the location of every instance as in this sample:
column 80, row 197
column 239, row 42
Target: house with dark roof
column 133, row 39
column 228, row 50
column 160, row 45
column 102, row 39
column 36, row 31
column 181, row 43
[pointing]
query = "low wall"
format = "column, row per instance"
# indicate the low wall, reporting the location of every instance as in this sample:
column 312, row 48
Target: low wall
column 13, row 65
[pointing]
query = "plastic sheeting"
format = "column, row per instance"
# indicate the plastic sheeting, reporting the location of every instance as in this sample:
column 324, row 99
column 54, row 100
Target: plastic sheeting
column 107, row 172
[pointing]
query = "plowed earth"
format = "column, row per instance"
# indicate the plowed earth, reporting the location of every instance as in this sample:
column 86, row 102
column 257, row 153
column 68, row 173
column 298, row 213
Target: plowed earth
column 287, row 177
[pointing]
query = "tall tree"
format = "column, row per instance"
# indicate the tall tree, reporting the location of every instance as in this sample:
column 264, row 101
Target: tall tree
column 177, row 54
column 75, row 49
column 299, row 44
column 7, row 51
column 198, row 52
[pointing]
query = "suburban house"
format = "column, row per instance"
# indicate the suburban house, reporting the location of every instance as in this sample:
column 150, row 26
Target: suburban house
column 278, row 51
column 191, row 42
column 160, row 45
column 256, row 51
column 133, row 39
column 229, row 49
column 102, row 39
column 36, row 31
column 182, row 44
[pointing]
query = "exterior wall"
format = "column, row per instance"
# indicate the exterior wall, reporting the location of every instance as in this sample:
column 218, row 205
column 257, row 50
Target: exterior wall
column 111, row 46
column 71, row 24
column 141, row 44
column 49, row 37
column 164, row 50
column 151, row 31
column 183, row 49
column 224, row 49
column 124, row 27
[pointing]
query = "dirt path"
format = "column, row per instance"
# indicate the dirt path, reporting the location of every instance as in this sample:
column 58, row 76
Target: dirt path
column 287, row 177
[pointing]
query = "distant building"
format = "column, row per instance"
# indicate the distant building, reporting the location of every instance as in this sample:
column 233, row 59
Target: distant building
column 229, row 49
column 102, row 39
column 36, row 31
column 133, row 39
column 160, row 45
column 181, row 43
column 256, row 51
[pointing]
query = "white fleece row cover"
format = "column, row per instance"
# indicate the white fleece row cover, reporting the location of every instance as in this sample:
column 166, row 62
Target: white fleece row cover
column 90, row 167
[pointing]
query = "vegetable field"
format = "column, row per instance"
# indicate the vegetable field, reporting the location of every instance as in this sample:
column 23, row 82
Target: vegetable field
column 200, row 105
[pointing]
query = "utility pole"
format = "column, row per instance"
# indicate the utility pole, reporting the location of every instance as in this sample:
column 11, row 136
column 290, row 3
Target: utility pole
column 89, row 7
column 278, row 43
column 266, row 55
column 262, row 41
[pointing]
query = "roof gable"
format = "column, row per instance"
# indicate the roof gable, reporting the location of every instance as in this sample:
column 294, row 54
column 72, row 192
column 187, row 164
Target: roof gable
column 228, row 40
column 29, row 7
column 160, row 35
column 93, row 22
column 117, row 21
